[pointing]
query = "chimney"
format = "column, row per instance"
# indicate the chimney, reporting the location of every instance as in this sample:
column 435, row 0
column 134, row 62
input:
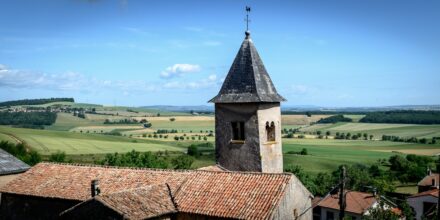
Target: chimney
column 429, row 171
column 95, row 188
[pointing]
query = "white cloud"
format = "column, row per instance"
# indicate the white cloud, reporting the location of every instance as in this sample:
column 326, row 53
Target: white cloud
column 300, row 89
column 209, row 82
column 179, row 69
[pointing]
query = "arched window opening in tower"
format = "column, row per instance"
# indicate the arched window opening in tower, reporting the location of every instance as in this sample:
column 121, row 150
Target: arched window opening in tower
column 270, row 131
column 238, row 131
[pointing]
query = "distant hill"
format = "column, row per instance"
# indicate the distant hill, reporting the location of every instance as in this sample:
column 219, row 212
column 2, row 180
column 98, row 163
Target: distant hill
column 35, row 101
column 359, row 109
column 173, row 108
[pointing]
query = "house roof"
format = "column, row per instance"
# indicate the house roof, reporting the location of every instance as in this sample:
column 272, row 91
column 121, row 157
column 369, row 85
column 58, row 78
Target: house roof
column 213, row 193
column 213, row 168
column 357, row 202
column 10, row 164
column 433, row 192
column 247, row 80
column 427, row 180
column 139, row 203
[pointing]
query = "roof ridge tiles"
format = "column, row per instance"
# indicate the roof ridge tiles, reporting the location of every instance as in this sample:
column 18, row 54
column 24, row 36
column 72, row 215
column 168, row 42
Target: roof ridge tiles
column 165, row 170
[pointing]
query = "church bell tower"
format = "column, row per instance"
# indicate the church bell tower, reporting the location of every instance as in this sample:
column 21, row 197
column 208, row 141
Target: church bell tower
column 248, row 116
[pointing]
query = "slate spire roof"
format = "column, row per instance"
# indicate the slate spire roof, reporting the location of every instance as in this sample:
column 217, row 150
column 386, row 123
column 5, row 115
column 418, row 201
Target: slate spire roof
column 10, row 164
column 247, row 80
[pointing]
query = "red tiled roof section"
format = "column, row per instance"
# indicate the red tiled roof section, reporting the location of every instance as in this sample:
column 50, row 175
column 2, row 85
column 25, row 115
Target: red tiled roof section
column 357, row 202
column 243, row 195
column 433, row 192
column 141, row 203
column 73, row 181
column 213, row 168
column 232, row 194
column 427, row 180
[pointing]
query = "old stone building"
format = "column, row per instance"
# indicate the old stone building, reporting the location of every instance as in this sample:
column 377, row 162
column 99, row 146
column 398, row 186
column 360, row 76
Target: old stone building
column 248, row 116
column 51, row 191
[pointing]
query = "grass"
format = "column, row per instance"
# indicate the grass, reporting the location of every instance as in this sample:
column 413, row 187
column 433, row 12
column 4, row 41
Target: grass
column 326, row 155
column 47, row 142
column 66, row 121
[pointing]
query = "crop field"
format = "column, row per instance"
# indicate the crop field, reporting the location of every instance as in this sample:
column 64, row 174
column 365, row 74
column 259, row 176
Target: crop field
column 402, row 130
column 47, row 142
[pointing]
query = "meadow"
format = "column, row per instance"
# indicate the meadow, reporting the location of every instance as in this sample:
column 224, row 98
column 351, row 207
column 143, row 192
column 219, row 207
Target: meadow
column 80, row 138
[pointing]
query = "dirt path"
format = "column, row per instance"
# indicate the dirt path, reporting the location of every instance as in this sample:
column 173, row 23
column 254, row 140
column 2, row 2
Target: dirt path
column 16, row 139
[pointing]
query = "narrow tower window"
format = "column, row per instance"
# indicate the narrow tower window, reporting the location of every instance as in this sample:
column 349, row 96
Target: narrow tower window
column 270, row 131
column 237, row 131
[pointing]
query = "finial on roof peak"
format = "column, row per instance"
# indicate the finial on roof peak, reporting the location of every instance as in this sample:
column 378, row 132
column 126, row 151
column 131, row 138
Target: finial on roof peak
column 248, row 34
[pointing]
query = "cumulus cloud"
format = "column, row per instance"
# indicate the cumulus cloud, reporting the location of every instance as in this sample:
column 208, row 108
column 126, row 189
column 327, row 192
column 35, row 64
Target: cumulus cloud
column 71, row 81
column 24, row 79
column 300, row 89
column 74, row 81
column 179, row 70
column 209, row 82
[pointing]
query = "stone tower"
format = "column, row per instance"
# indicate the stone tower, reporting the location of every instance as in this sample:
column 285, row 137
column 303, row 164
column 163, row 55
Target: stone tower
column 248, row 116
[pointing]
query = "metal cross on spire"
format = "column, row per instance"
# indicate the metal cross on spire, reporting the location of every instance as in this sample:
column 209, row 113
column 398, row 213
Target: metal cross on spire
column 248, row 10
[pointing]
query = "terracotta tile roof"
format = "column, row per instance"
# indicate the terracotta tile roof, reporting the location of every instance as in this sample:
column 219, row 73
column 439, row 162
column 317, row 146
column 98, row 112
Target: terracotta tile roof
column 73, row 181
column 222, row 194
column 213, row 168
column 433, row 192
column 427, row 180
column 232, row 194
column 140, row 203
column 357, row 202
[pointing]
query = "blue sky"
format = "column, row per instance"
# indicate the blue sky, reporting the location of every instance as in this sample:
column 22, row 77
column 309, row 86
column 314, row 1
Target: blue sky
column 123, row 52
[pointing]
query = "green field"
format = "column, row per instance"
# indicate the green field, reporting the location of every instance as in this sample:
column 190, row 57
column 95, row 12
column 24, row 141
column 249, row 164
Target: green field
column 402, row 130
column 81, row 138
column 47, row 142
column 326, row 155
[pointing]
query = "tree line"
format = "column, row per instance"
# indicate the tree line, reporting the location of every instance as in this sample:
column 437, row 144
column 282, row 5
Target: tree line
column 28, row 119
column 148, row 159
column 334, row 119
column 410, row 140
column 35, row 101
column 403, row 117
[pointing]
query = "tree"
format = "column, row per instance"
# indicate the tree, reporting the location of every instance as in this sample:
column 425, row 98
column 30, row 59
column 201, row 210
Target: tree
column 365, row 136
column 327, row 133
column 176, row 138
column 33, row 158
column 58, row 156
column 381, row 212
column 309, row 114
column 172, row 119
column 183, row 162
column 318, row 132
column 193, row 150
column 303, row 151
column 371, row 137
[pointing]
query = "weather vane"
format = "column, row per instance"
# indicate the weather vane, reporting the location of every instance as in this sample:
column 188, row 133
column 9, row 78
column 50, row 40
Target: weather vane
column 248, row 10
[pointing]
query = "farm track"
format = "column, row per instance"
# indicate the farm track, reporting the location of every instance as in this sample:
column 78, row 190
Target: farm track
column 14, row 137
